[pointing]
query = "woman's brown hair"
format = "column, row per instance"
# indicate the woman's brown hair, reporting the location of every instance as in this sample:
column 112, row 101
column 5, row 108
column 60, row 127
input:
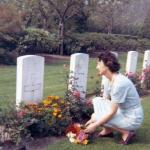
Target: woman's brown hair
column 110, row 60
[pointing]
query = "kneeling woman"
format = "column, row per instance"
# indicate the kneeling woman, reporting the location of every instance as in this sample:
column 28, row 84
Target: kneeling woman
column 123, row 113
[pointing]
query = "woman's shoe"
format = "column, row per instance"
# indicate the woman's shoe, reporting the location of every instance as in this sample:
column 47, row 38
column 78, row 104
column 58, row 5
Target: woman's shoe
column 128, row 140
column 110, row 135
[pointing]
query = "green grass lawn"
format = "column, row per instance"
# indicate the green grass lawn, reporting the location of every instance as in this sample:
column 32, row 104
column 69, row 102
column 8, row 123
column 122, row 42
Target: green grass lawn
column 141, row 141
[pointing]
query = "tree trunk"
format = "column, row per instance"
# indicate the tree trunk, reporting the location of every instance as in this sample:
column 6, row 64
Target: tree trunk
column 61, row 37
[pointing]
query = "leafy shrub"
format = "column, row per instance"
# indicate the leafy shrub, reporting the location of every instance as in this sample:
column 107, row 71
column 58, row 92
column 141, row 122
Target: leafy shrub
column 136, row 79
column 145, row 78
column 6, row 57
column 37, row 41
column 80, row 109
column 90, row 42
column 8, row 44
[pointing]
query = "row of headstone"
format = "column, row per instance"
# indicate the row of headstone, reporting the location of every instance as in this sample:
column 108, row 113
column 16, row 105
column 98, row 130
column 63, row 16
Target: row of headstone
column 132, row 58
column 30, row 75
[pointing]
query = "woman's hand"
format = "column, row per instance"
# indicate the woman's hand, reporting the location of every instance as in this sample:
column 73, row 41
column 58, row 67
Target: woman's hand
column 91, row 128
column 88, row 123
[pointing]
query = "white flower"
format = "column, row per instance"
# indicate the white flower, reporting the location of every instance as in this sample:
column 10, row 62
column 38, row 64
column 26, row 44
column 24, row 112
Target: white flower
column 72, row 140
column 71, row 135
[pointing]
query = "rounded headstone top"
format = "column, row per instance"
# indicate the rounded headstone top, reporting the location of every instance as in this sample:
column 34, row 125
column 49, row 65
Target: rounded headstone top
column 30, row 57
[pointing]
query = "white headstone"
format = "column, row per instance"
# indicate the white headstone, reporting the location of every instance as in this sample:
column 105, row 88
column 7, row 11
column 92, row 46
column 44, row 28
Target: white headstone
column 30, row 77
column 131, row 63
column 78, row 73
column 105, row 81
column 146, row 61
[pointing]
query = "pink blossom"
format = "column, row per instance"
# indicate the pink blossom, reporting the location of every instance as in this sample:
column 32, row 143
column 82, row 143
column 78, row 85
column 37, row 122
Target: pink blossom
column 21, row 113
column 82, row 136
column 76, row 94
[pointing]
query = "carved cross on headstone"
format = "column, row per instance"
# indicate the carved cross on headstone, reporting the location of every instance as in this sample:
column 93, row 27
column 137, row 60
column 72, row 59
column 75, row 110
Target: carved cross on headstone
column 33, row 87
column 30, row 77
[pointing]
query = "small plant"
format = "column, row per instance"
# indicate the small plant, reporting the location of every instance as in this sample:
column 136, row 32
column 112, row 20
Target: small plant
column 145, row 78
column 135, row 78
column 12, row 126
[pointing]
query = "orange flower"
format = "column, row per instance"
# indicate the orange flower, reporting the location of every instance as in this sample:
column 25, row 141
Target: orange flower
column 56, row 97
column 57, row 110
column 85, row 142
column 54, row 114
column 49, row 97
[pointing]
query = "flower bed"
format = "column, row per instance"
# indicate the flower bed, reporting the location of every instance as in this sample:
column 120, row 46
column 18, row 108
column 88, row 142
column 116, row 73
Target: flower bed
column 50, row 117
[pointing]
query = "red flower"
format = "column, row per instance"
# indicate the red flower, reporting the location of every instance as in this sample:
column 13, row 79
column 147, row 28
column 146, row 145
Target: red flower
column 76, row 94
column 74, row 128
column 21, row 113
column 88, row 102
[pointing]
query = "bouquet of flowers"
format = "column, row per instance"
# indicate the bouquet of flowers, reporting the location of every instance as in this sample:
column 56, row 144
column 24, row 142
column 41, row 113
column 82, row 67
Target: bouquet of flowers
column 75, row 133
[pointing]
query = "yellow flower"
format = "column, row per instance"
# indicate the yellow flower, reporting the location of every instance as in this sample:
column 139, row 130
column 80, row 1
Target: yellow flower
column 56, row 110
column 85, row 142
column 62, row 101
column 75, row 141
column 47, row 102
column 56, row 97
column 55, row 105
column 72, row 140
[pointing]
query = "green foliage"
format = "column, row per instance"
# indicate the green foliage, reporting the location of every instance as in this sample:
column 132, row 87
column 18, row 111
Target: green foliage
column 12, row 127
column 90, row 42
column 80, row 109
column 37, row 41
column 8, row 43
column 135, row 78
column 134, row 30
column 146, row 26
column 145, row 78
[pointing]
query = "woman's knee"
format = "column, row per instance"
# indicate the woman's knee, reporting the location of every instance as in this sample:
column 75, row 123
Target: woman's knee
column 93, row 117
